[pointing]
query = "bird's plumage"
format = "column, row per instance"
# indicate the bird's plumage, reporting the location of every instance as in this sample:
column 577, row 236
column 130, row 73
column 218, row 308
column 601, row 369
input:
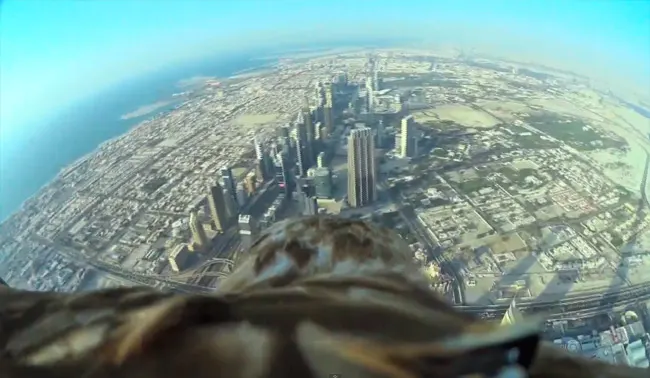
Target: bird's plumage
column 316, row 296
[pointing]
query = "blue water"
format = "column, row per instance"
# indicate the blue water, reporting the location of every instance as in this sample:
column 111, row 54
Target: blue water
column 34, row 158
column 31, row 161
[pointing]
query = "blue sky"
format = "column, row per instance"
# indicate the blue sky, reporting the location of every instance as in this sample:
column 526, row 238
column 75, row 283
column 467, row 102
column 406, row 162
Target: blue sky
column 53, row 53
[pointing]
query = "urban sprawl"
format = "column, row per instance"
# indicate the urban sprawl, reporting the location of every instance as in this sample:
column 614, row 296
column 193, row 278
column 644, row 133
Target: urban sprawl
column 519, row 189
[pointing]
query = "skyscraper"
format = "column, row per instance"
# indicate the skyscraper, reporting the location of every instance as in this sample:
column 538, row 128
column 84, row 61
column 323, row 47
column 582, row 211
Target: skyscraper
column 218, row 209
column 231, row 205
column 303, row 136
column 248, row 230
column 370, row 94
column 261, row 169
column 327, row 112
column 282, row 174
column 343, row 80
column 320, row 160
column 228, row 181
column 285, row 131
column 309, row 133
column 319, row 93
column 241, row 195
column 307, row 198
column 250, row 183
column 380, row 133
column 178, row 257
column 301, row 157
column 512, row 315
column 259, row 152
column 322, row 181
column 362, row 173
column 375, row 77
column 198, row 233
column 318, row 131
column 406, row 142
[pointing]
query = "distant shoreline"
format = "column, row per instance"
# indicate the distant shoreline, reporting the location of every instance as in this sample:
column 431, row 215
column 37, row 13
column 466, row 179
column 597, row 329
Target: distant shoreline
column 113, row 125
column 146, row 109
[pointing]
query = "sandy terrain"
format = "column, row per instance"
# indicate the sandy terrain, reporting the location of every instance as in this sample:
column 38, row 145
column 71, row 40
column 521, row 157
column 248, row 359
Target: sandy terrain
column 510, row 243
column 252, row 73
column 312, row 53
column 425, row 116
column 561, row 106
column 194, row 81
column 549, row 212
column 250, row 121
column 623, row 168
column 504, row 109
column 463, row 115
column 523, row 164
column 462, row 175
column 146, row 109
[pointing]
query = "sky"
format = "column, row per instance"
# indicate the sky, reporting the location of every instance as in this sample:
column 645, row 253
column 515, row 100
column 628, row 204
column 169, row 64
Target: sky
column 53, row 53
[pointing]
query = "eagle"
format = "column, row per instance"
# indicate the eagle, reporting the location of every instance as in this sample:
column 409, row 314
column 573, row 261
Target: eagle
column 313, row 297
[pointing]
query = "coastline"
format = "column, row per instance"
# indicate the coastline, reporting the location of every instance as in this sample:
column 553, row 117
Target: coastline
column 165, row 86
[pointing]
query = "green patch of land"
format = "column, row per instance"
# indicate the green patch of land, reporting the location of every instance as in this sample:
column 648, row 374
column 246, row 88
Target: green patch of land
column 575, row 132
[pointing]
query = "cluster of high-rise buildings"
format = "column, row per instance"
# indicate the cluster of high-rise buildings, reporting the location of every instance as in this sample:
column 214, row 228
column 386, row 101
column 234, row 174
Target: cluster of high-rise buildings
column 297, row 161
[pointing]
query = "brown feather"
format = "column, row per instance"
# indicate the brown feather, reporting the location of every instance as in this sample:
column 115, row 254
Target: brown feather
column 316, row 296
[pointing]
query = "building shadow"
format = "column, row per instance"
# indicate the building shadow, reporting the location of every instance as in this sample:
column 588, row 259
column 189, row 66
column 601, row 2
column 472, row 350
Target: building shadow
column 508, row 279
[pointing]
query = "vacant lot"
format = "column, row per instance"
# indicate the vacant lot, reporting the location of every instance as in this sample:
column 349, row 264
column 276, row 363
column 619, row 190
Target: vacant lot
column 248, row 121
column 504, row 109
column 462, row 115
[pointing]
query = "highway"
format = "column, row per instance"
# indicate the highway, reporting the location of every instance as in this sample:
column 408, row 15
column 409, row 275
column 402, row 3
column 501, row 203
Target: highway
column 573, row 306
column 596, row 303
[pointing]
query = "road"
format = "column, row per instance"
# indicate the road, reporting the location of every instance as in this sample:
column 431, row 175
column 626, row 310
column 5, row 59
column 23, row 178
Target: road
column 431, row 247
column 594, row 303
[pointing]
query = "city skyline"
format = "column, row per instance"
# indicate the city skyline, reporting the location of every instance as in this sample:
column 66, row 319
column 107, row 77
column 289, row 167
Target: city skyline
column 505, row 184
column 576, row 23
column 510, row 188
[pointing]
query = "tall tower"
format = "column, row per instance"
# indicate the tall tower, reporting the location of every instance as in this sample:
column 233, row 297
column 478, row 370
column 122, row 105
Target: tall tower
column 320, row 160
column 512, row 315
column 307, row 197
column 370, row 94
column 241, row 195
column 259, row 153
column 231, row 205
column 309, row 133
column 261, row 169
column 218, row 209
column 375, row 78
column 285, row 140
column 198, row 233
column 322, row 181
column 301, row 157
column 303, row 146
column 282, row 175
column 248, row 230
column 327, row 111
column 406, row 142
column 380, row 133
column 250, row 183
column 319, row 93
column 362, row 173
column 228, row 181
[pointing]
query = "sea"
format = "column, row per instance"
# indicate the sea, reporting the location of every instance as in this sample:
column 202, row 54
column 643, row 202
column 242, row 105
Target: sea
column 29, row 164
column 34, row 160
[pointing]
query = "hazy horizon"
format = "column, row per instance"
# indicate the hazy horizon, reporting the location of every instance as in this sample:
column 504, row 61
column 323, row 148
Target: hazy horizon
column 75, row 49
column 506, row 142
